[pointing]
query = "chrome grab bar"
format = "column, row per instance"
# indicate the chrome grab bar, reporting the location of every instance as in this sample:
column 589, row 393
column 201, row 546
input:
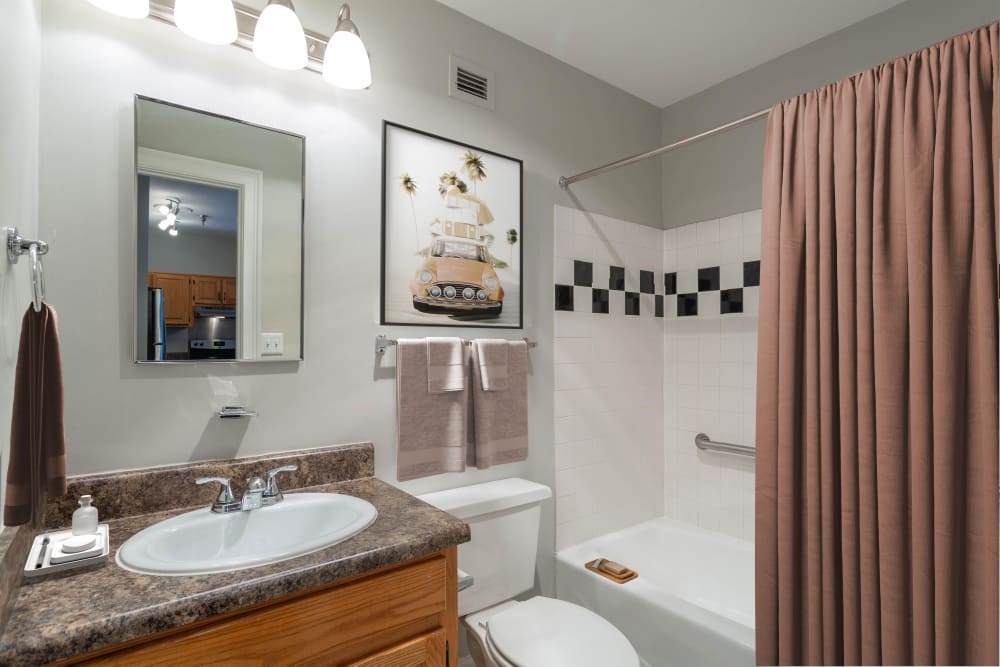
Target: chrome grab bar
column 706, row 444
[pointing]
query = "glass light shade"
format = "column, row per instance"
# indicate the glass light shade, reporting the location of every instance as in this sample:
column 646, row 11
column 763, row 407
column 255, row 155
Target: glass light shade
column 164, row 224
column 210, row 21
column 173, row 231
column 130, row 9
column 171, row 218
column 162, row 209
column 278, row 39
column 345, row 63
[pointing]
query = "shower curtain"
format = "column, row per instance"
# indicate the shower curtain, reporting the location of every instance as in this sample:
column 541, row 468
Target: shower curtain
column 877, row 388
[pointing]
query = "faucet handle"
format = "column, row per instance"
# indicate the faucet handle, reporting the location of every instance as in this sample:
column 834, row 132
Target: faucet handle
column 226, row 494
column 254, row 484
column 273, row 493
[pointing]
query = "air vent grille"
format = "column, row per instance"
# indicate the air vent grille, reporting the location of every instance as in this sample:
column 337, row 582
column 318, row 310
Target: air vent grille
column 471, row 83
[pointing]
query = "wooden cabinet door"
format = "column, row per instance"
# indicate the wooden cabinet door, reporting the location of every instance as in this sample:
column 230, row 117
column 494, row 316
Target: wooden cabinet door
column 207, row 290
column 176, row 297
column 229, row 291
column 410, row 609
column 424, row 651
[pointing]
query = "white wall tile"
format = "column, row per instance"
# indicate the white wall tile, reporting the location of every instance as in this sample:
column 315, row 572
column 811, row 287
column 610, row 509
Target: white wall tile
column 608, row 374
column 731, row 227
column 707, row 231
column 709, row 380
column 687, row 236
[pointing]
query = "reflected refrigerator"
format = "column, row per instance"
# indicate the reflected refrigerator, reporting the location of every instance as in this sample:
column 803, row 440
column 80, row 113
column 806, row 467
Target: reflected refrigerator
column 156, row 340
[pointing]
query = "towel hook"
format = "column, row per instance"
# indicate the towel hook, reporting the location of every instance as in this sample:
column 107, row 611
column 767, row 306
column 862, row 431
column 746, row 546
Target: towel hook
column 37, row 278
column 17, row 245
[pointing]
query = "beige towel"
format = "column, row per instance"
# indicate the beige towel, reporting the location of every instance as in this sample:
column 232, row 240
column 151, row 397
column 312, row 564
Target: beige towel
column 445, row 365
column 492, row 366
column 431, row 427
column 501, row 417
column 37, row 463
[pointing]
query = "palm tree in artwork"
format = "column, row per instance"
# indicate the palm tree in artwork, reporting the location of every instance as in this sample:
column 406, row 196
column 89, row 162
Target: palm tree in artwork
column 409, row 185
column 448, row 180
column 511, row 240
column 472, row 165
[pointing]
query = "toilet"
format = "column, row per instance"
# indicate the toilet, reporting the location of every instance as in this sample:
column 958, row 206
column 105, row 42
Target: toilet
column 504, row 517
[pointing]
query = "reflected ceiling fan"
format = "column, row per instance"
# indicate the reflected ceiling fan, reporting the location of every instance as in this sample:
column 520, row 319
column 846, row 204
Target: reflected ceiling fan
column 170, row 209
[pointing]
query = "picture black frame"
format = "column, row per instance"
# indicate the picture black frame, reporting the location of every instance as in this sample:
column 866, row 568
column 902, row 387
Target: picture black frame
column 444, row 319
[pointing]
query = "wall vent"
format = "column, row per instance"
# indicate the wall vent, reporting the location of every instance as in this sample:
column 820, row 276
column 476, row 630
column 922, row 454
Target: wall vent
column 471, row 83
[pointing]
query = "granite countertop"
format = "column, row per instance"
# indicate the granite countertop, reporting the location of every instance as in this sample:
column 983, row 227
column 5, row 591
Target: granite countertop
column 77, row 612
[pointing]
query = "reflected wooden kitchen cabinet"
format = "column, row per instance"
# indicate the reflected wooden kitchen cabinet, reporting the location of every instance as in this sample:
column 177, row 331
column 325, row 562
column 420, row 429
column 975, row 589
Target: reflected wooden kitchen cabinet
column 207, row 290
column 176, row 297
column 229, row 291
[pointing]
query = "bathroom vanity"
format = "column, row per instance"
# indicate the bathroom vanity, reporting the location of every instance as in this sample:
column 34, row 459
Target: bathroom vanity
column 386, row 596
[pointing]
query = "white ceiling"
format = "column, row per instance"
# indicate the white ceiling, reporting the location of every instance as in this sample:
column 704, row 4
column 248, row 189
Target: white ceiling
column 219, row 205
column 666, row 50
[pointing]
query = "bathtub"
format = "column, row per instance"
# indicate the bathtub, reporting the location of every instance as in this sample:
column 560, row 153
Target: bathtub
column 692, row 603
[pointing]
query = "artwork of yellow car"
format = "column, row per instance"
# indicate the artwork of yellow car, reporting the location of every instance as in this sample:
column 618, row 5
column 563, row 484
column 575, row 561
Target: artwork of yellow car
column 457, row 277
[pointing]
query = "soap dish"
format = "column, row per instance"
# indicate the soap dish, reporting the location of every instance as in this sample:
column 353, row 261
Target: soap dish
column 56, row 559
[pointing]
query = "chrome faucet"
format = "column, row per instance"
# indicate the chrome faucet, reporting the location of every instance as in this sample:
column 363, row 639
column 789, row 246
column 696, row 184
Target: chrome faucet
column 253, row 496
column 272, row 494
column 226, row 502
column 258, row 493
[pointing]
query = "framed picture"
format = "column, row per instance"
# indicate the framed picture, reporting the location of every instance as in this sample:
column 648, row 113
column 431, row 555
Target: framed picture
column 451, row 232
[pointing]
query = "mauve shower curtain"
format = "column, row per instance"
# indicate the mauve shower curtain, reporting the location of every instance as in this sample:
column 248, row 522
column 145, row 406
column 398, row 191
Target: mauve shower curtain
column 877, row 440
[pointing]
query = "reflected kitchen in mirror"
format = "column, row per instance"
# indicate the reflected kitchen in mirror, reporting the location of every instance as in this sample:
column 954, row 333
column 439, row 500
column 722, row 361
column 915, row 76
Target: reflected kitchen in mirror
column 219, row 207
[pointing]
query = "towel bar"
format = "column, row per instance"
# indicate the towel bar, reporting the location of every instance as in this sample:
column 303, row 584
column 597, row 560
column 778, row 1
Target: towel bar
column 383, row 342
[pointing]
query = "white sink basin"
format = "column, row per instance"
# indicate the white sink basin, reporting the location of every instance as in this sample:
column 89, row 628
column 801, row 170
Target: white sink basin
column 202, row 542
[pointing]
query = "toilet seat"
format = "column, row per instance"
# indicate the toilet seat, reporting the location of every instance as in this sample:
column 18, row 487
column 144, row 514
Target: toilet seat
column 543, row 632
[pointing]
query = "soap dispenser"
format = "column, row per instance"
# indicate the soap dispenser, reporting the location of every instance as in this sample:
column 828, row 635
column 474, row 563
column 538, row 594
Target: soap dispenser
column 85, row 518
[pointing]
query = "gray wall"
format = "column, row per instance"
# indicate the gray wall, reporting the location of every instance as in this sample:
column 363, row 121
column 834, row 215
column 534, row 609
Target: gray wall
column 19, row 68
column 193, row 251
column 121, row 415
column 722, row 175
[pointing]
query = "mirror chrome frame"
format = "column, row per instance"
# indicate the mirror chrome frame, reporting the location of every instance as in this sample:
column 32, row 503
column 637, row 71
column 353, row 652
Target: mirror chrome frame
column 135, row 241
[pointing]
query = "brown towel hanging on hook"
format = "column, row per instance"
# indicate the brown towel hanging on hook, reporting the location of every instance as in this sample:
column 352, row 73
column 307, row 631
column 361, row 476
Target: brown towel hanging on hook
column 37, row 445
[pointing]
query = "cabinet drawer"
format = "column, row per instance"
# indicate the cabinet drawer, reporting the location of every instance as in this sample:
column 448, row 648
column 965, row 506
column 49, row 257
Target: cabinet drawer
column 423, row 651
column 327, row 627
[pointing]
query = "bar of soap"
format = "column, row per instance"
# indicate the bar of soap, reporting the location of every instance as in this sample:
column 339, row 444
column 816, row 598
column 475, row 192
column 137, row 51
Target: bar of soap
column 611, row 567
column 77, row 543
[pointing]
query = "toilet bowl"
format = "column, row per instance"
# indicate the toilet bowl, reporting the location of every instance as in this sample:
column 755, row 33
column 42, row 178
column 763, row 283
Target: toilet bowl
column 543, row 632
column 504, row 517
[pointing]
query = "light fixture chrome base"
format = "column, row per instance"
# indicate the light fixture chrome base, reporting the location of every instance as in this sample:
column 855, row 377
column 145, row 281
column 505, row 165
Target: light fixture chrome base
column 246, row 23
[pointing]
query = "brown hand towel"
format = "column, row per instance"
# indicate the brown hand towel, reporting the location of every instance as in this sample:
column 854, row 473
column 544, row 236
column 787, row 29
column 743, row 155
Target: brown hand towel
column 37, row 447
column 445, row 365
column 501, row 417
column 431, row 427
column 492, row 366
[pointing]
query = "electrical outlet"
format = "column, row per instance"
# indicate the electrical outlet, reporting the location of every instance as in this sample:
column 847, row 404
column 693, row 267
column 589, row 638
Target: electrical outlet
column 272, row 343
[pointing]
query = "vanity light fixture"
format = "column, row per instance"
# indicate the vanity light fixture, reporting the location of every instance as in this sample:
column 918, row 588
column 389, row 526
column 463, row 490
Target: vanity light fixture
column 346, row 63
column 278, row 38
column 210, row 21
column 129, row 9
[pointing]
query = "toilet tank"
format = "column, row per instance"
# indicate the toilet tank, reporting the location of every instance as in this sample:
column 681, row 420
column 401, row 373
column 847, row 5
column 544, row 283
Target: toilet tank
column 503, row 517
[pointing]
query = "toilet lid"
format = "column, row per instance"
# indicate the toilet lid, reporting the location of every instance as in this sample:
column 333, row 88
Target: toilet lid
column 543, row 632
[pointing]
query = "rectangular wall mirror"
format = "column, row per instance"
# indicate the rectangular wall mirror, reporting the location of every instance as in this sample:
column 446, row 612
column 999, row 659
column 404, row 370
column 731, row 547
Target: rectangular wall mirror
column 219, row 205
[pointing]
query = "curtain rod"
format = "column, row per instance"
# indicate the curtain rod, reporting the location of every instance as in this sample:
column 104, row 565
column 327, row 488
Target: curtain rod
column 565, row 182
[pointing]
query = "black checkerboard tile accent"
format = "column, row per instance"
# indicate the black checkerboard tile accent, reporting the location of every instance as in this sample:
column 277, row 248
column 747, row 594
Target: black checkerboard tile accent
column 667, row 301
